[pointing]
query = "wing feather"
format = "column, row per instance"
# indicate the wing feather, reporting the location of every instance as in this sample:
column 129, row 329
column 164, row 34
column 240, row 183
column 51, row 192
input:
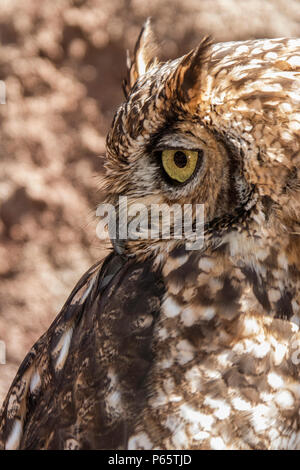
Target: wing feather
column 82, row 384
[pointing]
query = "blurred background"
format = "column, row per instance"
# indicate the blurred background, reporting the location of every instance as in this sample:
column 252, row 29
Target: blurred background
column 62, row 63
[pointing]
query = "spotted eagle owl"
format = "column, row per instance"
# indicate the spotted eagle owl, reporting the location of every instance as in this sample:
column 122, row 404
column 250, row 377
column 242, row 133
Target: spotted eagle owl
column 161, row 347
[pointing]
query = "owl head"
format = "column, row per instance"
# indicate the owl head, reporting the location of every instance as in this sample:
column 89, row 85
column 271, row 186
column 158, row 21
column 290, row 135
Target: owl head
column 218, row 127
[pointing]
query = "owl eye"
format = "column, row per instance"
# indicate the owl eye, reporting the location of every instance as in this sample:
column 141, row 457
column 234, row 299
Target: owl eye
column 179, row 164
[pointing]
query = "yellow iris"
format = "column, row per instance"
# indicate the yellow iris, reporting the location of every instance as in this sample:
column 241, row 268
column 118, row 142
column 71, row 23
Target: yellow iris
column 179, row 164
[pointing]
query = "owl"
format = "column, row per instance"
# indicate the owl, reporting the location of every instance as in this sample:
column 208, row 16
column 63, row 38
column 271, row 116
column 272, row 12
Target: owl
column 161, row 346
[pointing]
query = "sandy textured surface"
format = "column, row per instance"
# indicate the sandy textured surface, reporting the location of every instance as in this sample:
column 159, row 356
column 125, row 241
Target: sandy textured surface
column 62, row 63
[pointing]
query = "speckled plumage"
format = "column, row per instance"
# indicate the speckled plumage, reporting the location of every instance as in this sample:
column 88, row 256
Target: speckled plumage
column 164, row 348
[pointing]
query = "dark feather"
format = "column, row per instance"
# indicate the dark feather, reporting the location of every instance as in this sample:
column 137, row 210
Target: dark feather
column 110, row 330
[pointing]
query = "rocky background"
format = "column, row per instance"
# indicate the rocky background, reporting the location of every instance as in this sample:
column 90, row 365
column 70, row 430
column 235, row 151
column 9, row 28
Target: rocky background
column 62, row 62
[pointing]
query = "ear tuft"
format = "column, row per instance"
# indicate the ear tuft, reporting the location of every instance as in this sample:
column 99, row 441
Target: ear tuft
column 143, row 58
column 185, row 82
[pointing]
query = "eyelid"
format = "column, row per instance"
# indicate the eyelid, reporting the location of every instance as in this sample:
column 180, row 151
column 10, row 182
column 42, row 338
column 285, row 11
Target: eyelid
column 181, row 148
column 184, row 143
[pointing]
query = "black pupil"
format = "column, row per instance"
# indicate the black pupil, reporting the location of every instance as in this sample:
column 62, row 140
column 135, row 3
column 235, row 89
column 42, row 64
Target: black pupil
column 180, row 159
